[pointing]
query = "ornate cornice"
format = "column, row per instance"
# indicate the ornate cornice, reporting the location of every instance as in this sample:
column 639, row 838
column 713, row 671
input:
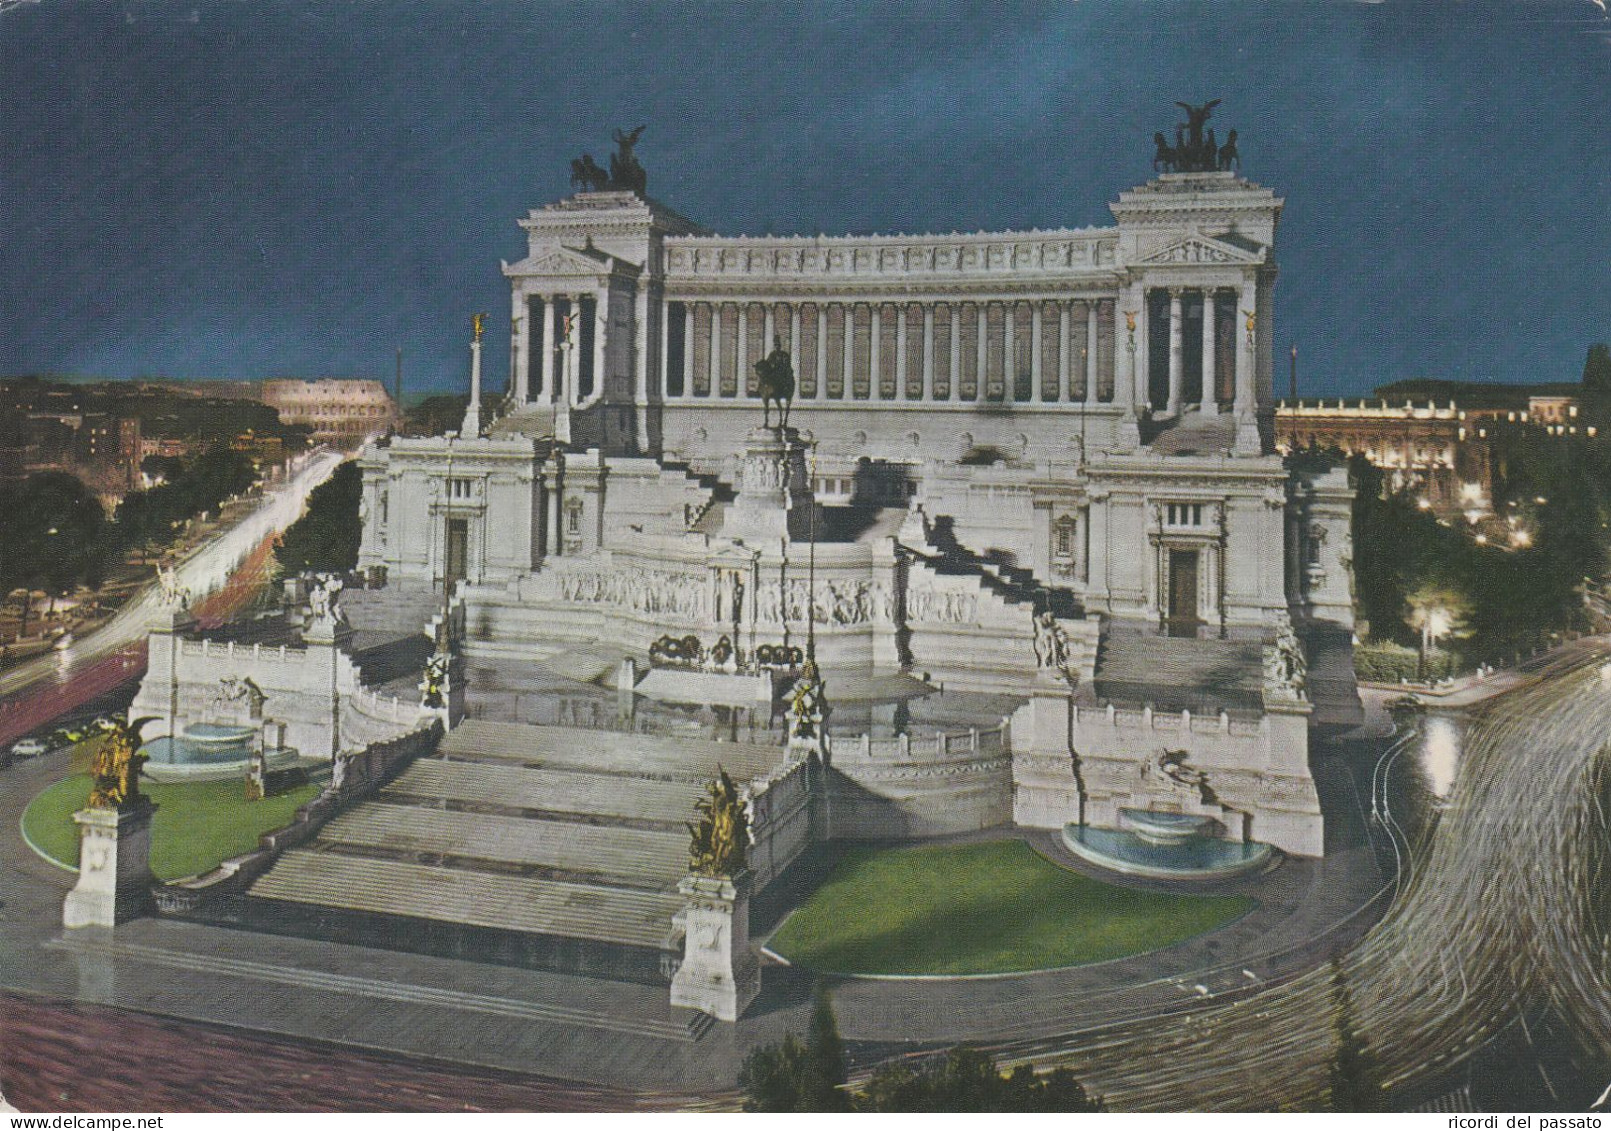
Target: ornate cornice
column 917, row 290
column 902, row 259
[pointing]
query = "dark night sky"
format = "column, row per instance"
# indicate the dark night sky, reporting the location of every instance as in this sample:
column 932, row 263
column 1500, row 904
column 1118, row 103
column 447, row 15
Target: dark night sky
column 233, row 189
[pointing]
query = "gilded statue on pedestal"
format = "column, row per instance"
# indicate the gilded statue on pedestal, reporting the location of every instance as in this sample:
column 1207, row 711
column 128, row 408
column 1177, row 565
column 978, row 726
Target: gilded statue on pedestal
column 115, row 762
column 721, row 836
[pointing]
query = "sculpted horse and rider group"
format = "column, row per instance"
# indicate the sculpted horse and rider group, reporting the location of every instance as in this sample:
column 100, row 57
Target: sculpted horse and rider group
column 1195, row 151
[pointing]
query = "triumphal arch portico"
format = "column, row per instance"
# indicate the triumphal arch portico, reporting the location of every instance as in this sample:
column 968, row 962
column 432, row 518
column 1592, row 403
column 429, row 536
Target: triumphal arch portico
column 1035, row 467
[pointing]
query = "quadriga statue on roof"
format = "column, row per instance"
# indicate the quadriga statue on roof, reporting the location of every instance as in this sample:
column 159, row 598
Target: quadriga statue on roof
column 720, row 838
column 1195, row 151
column 625, row 173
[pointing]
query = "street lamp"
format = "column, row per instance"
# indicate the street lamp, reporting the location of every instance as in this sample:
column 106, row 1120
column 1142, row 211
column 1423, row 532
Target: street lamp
column 1435, row 622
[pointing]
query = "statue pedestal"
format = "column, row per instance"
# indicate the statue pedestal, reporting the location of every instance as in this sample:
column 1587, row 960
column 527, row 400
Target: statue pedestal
column 114, row 866
column 1248, row 442
column 450, row 701
column 1127, row 437
column 720, row 973
column 774, row 489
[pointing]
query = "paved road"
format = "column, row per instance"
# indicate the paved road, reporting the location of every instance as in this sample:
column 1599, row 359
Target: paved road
column 75, row 1058
column 221, row 575
column 1493, row 918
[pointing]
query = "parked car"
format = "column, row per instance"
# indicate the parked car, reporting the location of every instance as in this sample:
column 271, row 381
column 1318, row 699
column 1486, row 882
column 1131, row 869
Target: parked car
column 30, row 748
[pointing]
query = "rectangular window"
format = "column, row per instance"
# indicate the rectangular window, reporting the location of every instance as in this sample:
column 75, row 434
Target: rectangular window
column 1184, row 514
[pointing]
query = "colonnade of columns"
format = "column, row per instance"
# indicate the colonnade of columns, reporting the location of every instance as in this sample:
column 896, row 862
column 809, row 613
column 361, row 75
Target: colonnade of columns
column 1025, row 350
column 558, row 360
column 1243, row 326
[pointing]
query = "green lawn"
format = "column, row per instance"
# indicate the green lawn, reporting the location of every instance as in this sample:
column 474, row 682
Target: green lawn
column 990, row 908
column 196, row 826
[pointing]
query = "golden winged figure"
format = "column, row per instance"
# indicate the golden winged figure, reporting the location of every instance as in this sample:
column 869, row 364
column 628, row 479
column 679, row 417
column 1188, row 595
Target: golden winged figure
column 115, row 762
column 720, row 838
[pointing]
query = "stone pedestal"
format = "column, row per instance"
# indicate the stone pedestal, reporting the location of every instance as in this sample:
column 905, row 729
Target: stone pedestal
column 114, row 866
column 449, row 705
column 774, row 488
column 1248, row 442
column 720, row 973
column 1127, row 436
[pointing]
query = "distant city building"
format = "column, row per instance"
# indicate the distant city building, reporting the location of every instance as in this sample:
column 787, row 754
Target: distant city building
column 1442, row 449
column 343, row 413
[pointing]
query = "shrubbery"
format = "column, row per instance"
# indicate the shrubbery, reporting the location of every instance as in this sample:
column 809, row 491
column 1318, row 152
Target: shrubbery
column 1393, row 663
column 810, row 1076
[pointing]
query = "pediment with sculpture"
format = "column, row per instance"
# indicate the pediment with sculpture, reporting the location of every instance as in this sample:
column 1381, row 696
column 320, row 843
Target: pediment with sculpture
column 1196, row 248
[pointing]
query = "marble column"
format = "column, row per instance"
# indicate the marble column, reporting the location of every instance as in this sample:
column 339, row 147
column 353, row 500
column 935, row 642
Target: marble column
column 955, row 322
column 556, row 537
column 847, row 385
column 794, row 332
column 1247, row 433
column 601, row 324
column 520, row 363
column 928, row 353
column 875, row 319
column 1009, row 360
column 900, row 352
column 1209, row 404
column 573, row 386
column 663, row 325
column 820, row 391
column 741, row 354
column 1036, row 362
column 981, row 381
column 715, row 351
column 1091, row 359
column 1177, row 350
column 1065, row 391
column 688, row 350
column 640, row 368
column 549, row 340
column 1129, row 358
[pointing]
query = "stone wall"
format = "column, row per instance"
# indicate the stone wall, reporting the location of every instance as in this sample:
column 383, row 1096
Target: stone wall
column 1076, row 762
column 315, row 690
column 931, row 785
column 780, row 807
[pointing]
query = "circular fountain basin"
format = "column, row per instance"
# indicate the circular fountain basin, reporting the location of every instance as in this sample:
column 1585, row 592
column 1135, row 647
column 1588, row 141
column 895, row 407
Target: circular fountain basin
column 1165, row 828
column 1195, row 858
column 232, row 735
column 207, row 752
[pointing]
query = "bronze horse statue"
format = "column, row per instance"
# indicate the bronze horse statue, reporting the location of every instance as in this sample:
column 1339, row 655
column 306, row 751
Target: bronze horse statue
column 588, row 175
column 1163, row 161
column 775, row 375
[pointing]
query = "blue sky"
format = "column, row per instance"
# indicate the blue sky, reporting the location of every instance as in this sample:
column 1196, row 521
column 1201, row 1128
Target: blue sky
column 234, row 189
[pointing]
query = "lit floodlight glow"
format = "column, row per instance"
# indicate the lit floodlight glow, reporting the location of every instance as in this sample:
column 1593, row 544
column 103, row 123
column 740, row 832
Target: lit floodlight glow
column 1438, row 621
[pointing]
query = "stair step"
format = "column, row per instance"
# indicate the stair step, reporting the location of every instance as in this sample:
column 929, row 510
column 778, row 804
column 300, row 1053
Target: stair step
column 612, row 852
column 457, row 895
column 550, row 791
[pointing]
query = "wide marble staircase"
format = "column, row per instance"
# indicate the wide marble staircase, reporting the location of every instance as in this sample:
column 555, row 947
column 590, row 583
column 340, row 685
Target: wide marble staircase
column 1202, row 676
column 536, row 846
